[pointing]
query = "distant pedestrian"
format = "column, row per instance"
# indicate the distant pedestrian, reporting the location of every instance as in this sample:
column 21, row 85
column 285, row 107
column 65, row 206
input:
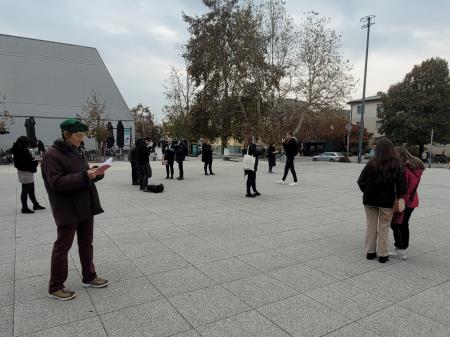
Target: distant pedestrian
column 400, row 222
column 443, row 157
column 143, row 163
column 26, row 168
column 74, row 200
column 41, row 147
column 181, row 152
column 424, row 156
column 251, row 150
column 271, row 157
column 207, row 156
column 132, row 159
column 290, row 146
column 168, row 157
column 382, row 182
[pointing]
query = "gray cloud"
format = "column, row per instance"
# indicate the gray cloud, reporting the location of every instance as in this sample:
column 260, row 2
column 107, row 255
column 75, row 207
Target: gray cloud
column 138, row 40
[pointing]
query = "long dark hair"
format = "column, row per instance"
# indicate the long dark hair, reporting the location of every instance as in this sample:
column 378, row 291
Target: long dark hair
column 409, row 160
column 386, row 161
column 22, row 143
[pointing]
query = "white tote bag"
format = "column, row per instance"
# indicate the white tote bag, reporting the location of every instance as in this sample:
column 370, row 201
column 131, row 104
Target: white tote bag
column 249, row 162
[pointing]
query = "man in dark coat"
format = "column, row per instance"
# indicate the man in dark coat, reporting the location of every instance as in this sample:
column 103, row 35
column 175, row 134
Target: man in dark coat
column 181, row 152
column 290, row 146
column 271, row 157
column 132, row 159
column 143, row 163
column 207, row 156
column 74, row 201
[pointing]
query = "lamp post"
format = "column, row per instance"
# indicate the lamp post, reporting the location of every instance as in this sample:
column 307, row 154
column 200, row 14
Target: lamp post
column 368, row 21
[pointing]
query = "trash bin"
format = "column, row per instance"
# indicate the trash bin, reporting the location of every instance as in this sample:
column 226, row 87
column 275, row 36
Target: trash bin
column 194, row 150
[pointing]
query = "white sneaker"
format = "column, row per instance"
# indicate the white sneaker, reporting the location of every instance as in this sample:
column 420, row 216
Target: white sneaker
column 282, row 182
column 293, row 184
column 399, row 254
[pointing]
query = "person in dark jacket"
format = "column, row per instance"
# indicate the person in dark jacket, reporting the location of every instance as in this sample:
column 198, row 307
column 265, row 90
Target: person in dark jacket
column 143, row 150
column 251, row 150
column 271, row 157
column 74, row 201
column 291, row 149
column 207, row 156
column 26, row 168
column 382, row 181
column 41, row 147
column 169, row 157
column 132, row 159
column 181, row 152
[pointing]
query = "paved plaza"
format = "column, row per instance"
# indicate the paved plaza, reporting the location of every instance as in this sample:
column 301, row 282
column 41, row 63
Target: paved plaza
column 200, row 259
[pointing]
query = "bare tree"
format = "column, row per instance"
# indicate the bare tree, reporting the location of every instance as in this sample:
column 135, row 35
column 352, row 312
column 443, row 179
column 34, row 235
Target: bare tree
column 322, row 78
column 95, row 117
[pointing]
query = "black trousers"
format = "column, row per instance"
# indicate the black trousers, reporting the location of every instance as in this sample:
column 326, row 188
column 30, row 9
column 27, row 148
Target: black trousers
column 289, row 166
column 28, row 191
column 145, row 173
column 401, row 231
column 208, row 164
column 251, row 181
column 169, row 166
column 134, row 175
column 180, row 167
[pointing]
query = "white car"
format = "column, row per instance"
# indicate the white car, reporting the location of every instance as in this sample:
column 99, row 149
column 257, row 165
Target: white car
column 328, row 156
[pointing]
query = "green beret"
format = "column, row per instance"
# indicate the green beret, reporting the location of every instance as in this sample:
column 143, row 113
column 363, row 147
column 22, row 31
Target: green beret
column 73, row 125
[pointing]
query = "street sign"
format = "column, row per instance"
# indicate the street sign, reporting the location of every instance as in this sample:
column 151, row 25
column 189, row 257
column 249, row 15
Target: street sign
column 348, row 127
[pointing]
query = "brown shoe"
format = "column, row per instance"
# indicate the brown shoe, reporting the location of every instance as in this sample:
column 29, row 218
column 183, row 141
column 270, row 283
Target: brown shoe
column 96, row 283
column 62, row 294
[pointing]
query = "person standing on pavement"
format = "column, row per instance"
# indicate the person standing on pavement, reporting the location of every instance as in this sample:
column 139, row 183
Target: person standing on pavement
column 132, row 159
column 251, row 150
column 181, row 152
column 414, row 168
column 169, row 157
column 143, row 163
column 271, row 157
column 207, row 156
column 70, row 184
column 26, row 168
column 382, row 182
column 291, row 149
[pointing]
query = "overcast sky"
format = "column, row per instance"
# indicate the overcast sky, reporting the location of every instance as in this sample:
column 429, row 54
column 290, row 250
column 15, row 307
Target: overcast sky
column 140, row 40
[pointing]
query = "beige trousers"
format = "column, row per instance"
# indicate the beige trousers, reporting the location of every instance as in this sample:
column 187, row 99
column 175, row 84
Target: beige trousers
column 378, row 224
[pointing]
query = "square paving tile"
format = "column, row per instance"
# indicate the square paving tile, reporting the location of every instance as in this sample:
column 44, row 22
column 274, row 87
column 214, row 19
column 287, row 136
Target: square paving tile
column 6, row 321
column 348, row 300
column 353, row 330
column 227, row 270
column 267, row 260
column 303, row 252
column 91, row 327
column 6, row 272
column 247, row 324
column 301, row 316
column 156, row 319
column 46, row 313
column 161, row 262
column 337, row 267
column 208, row 305
column 302, row 278
column 259, row 290
column 396, row 321
column 118, row 271
column 179, row 281
column 123, row 294
column 6, row 293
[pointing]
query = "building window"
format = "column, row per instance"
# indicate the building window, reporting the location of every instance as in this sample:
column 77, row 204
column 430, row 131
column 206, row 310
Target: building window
column 380, row 108
column 358, row 109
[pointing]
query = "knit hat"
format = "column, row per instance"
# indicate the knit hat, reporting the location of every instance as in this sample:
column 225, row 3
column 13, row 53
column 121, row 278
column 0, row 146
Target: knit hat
column 73, row 125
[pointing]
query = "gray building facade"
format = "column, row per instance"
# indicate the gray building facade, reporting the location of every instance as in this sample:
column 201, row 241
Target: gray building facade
column 51, row 82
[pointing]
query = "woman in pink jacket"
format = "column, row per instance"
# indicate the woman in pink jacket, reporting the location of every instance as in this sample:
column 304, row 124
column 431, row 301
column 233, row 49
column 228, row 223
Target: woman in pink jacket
column 400, row 222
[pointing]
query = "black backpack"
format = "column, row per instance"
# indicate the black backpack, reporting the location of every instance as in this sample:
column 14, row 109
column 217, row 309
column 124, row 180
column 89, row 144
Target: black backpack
column 155, row 188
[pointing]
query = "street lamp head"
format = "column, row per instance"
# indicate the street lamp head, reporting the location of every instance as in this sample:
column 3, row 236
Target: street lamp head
column 368, row 20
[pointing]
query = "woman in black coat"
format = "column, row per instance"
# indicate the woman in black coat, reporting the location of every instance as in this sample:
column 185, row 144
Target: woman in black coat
column 251, row 174
column 169, row 158
column 207, row 156
column 271, row 157
column 26, row 168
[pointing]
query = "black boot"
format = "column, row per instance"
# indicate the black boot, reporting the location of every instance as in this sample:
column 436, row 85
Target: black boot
column 27, row 211
column 37, row 207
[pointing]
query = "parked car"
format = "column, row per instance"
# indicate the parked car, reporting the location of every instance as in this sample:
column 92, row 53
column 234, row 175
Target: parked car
column 329, row 156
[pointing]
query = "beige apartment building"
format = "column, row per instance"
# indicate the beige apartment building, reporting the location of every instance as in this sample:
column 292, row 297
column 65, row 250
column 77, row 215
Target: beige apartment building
column 371, row 121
